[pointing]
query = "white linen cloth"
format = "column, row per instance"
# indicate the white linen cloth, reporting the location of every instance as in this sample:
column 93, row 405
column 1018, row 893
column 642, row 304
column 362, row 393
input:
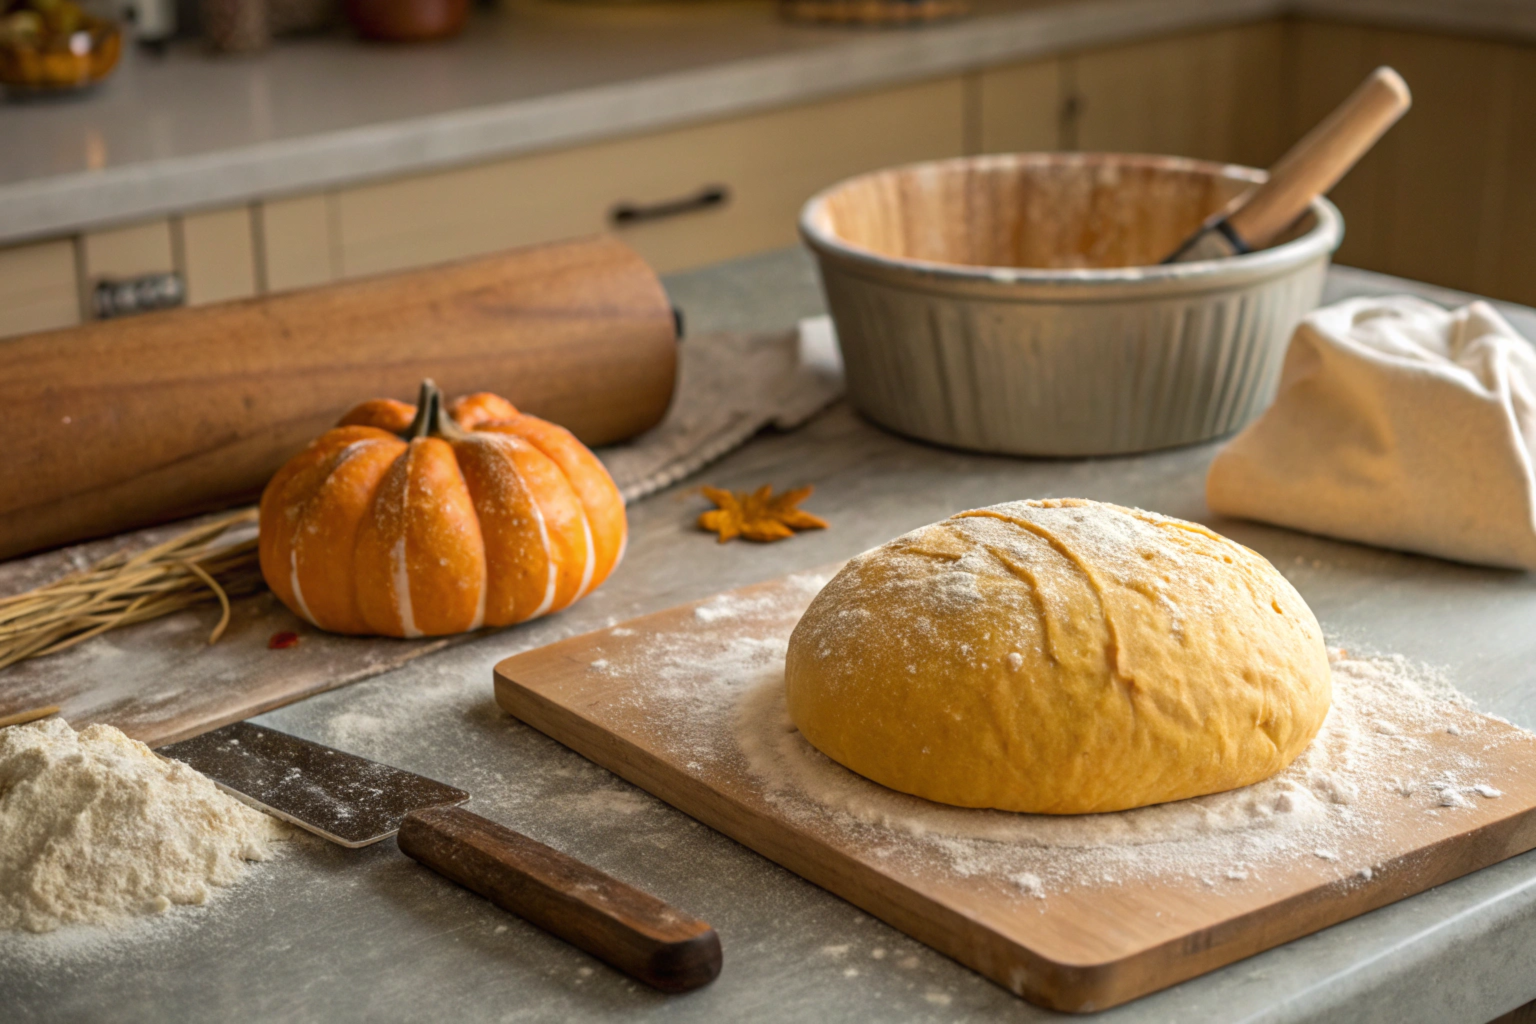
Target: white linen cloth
column 1400, row 424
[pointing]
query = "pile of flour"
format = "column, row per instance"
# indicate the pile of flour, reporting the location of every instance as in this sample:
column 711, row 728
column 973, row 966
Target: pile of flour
column 95, row 828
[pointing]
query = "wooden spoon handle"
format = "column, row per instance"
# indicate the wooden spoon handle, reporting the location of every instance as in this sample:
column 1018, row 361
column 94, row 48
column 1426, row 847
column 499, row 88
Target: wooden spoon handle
column 1323, row 156
column 617, row 923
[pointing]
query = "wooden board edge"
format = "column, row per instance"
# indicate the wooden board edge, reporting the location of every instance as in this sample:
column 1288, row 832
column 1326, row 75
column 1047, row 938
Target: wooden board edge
column 1306, row 913
column 1056, row 985
column 836, row 872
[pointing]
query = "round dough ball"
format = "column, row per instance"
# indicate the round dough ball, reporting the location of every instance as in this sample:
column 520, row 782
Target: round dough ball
column 1059, row 657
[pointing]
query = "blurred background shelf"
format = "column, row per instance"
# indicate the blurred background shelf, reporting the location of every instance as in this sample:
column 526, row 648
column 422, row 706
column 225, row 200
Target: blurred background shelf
column 542, row 119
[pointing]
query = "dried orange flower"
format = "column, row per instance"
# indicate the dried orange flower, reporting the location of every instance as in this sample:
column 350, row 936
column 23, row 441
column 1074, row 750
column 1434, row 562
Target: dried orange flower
column 758, row 516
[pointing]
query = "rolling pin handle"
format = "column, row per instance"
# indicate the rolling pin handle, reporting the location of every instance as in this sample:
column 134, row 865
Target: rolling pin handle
column 615, row 922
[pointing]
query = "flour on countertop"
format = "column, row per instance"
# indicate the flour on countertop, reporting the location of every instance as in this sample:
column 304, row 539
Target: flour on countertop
column 611, row 802
column 96, row 828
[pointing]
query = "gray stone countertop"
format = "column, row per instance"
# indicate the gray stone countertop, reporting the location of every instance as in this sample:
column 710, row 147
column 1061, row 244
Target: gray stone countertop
column 191, row 130
column 334, row 935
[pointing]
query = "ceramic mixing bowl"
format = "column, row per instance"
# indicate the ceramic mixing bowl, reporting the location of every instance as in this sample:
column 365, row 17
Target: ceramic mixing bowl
column 1015, row 304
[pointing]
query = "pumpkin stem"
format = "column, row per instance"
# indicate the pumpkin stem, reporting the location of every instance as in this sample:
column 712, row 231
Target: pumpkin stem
column 429, row 406
column 432, row 417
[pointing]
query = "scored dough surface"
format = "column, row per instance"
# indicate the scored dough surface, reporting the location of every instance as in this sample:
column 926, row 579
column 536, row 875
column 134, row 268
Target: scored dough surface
column 1059, row 657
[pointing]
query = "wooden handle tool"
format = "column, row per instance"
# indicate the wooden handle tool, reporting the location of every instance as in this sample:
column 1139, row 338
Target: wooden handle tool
column 356, row 802
column 1311, row 167
column 617, row 923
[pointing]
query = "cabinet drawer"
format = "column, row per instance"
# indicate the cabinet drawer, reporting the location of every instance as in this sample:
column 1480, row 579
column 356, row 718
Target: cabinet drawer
column 1019, row 107
column 145, row 248
column 1214, row 95
column 218, row 255
column 298, row 247
column 766, row 164
column 38, row 291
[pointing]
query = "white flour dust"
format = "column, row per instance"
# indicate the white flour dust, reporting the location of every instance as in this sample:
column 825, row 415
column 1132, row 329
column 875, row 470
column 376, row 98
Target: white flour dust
column 716, row 693
column 374, row 720
column 1372, row 739
column 731, row 606
column 96, row 828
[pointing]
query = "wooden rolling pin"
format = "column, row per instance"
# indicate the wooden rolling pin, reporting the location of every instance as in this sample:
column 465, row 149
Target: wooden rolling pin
column 128, row 422
column 1311, row 167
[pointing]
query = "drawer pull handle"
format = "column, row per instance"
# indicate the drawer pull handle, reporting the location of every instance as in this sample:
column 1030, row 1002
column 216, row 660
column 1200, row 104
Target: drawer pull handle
column 706, row 198
column 112, row 298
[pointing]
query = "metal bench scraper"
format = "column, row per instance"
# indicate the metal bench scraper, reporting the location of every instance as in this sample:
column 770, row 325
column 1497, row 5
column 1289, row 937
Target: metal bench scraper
column 355, row 802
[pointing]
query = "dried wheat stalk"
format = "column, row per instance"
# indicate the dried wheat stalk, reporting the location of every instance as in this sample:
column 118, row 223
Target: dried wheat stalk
column 125, row 588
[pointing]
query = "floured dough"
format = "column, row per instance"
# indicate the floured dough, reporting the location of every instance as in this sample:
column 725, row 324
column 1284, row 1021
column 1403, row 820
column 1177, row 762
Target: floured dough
column 1059, row 657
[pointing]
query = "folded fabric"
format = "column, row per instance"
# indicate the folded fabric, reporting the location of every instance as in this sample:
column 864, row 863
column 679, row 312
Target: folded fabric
column 1400, row 424
column 729, row 387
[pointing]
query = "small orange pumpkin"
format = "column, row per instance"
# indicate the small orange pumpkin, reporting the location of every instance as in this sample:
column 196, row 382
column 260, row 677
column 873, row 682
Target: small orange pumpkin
column 424, row 520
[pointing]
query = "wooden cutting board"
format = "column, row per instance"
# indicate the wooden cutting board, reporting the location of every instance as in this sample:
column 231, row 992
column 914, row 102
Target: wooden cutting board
column 665, row 701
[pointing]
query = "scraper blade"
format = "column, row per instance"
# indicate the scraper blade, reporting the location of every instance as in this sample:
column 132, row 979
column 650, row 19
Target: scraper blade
column 347, row 799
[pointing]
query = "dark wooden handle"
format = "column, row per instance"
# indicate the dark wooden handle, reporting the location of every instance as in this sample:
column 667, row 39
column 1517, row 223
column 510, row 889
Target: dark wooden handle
column 617, row 923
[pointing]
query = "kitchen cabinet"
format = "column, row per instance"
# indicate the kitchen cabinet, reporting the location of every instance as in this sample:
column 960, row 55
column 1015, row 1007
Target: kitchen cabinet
column 1335, row 58
column 1019, row 108
column 129, row 251
column 1447, row 197
column 296, row 242
column 1212, row 95
column 1440, row 190
column 38, row 289
column 46, row 285
column 1513, row 270
column 766, row 165
column 218, row 255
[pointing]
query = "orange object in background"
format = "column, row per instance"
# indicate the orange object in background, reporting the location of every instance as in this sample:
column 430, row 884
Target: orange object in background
column 427, row 520
column 407, row 21
column 55, row 47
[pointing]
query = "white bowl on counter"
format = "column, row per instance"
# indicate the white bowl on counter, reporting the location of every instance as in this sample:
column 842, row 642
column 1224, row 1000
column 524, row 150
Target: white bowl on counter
column 1013, row 303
